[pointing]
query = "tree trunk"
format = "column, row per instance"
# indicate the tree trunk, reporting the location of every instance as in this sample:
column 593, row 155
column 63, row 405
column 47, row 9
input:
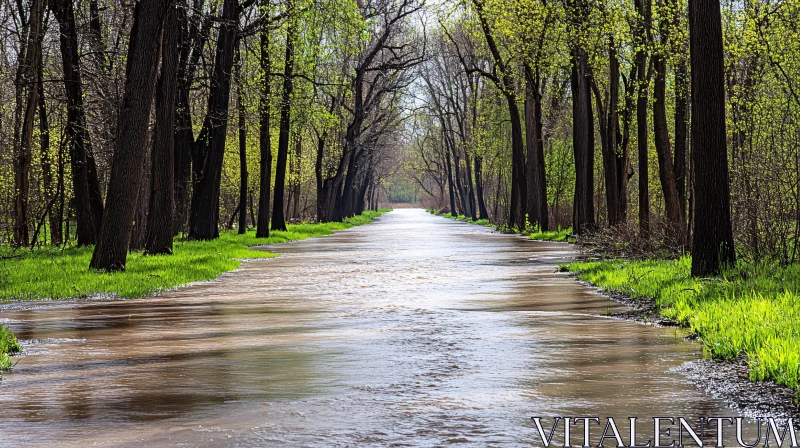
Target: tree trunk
column 265, row 147
column 191, row 49
column 86, row 188
column 47, row 166
column 643, row 30
column 242, row 148
column 681, row 131
column 537, row 180
column 321, row 183
column 209, row 149
column 519, row 195
column 677, row 223
column 519, row 187
column 583, row 144
column 160, row 228
column 27, row 89
column 483, row 214
column 126, row 170
column 470, row 187
column 712, row 247
column 278, row 219
column 453, row 210
column 609, row 125
column 298, row 156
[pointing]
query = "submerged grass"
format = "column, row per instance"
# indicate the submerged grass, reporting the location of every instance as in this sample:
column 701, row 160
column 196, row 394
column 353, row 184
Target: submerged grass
column 63, row 274
column 8, row 346
column 752, row 310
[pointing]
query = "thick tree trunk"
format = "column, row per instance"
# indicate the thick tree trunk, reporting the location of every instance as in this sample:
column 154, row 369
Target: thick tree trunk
column 278, row 217
column 712, row 246
column 265, row 146
column 536, row 177
column 191, row 49
column 86, row 188
column 126, row 170
column 139, row 229
column 209, row 149
column 519, row 184
column 609, row 126
column 320, row 181
column 677, row 222
column 583, row 144
column 160, row 228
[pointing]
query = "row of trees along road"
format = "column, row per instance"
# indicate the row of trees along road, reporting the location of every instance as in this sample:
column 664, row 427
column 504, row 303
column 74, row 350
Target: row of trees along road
column 124, row 124
column 554, row 113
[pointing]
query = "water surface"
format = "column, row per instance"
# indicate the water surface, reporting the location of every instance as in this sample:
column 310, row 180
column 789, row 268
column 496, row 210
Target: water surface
column 411, row 331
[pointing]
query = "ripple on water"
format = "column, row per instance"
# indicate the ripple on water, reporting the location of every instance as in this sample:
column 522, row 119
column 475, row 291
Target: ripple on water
column 412, row 331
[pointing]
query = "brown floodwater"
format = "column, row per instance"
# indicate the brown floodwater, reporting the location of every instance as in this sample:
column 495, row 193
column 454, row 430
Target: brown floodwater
column 411, row 331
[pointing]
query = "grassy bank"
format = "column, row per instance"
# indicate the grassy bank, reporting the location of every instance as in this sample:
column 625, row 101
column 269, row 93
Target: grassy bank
column 63, row 274
column 531, row 232
column 751, row 310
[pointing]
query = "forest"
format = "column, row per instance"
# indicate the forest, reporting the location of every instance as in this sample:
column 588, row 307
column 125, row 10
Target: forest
column 264, row 113
column 661, row 135
column 532, row 114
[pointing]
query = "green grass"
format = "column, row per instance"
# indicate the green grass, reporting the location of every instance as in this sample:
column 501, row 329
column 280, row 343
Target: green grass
column 533, row 233
column 752, row 310
column 64, row 274
column 555, row 235
column 8, row 346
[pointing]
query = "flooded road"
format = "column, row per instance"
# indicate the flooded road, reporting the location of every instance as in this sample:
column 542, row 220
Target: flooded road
column 411, row 331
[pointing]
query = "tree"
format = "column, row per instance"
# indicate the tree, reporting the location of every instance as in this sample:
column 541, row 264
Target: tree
column 265, row 145
column 126, row 171
column 505, row 82
column 27, row 86
column 209, row 149
column 278, row 219
column 85, row 184
column 582, row 122
column 242, row 131
column 162, row 193
column 712, row 245
column 643, row 74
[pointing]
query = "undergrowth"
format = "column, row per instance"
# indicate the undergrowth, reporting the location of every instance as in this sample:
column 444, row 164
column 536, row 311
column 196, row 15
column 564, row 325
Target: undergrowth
column 752, row 310
column 532, row 232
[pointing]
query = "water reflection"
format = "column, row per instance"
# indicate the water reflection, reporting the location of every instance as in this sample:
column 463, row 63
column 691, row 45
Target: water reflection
column 414, row 330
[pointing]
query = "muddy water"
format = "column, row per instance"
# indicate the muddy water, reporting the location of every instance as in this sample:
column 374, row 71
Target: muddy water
column 413, row 331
